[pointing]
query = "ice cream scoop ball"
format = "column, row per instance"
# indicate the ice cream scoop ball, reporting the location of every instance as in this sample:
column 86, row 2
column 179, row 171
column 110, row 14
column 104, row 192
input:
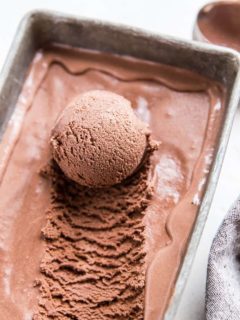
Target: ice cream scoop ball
column 98, row 141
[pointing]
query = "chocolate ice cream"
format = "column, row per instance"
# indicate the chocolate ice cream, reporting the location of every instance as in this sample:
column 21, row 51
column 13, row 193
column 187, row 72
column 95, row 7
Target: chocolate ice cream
column 98, row 140
column 73, row 252
column 219, row 23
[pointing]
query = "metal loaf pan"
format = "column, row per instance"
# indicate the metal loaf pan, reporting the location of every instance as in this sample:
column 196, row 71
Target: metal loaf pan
column 39, row 28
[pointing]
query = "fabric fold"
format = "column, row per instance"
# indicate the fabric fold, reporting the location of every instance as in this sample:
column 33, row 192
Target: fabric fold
column 223, row 276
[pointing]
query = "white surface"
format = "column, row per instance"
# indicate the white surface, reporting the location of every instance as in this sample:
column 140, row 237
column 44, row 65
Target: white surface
column 173, row 17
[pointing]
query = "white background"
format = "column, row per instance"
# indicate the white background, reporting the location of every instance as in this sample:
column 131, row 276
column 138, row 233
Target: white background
column 173, row 17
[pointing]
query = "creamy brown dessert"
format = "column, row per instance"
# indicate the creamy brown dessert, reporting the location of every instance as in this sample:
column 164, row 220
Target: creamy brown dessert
column 98, row 141
column 73, row 252
column 219, row 23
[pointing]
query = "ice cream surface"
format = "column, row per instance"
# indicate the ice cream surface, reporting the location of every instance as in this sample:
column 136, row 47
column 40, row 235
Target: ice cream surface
column 73, row 252
column 98, row 141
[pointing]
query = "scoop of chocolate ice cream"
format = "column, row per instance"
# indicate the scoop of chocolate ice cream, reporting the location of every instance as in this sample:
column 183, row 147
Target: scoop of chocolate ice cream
column 98, row 141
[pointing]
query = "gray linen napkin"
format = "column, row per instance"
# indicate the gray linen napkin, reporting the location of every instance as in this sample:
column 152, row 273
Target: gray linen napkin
column 223, row 279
